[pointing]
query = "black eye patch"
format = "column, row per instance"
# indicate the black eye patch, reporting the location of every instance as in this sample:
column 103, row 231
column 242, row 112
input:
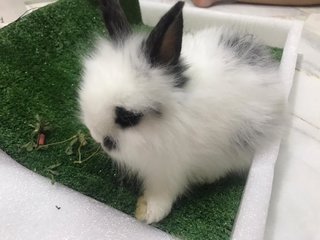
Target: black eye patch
column 125, row 118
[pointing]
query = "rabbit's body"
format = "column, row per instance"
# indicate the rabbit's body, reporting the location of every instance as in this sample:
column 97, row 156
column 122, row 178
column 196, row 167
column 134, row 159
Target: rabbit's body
column 193, row 123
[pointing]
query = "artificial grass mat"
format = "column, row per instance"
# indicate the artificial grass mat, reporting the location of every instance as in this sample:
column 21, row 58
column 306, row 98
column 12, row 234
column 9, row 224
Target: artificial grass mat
column 39, row 74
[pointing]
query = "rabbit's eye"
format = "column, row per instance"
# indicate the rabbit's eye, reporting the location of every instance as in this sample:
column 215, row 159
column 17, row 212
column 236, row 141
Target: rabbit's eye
column 125, row 118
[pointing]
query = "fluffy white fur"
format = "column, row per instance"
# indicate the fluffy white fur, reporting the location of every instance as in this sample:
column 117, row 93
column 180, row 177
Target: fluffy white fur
column 206, row 129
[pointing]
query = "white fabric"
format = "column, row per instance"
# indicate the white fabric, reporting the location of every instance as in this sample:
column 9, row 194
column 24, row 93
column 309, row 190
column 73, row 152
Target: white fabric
column 31, row 208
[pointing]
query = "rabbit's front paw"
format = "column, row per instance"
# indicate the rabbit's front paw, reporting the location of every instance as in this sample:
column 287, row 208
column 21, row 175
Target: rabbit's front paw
column 141, row 209
column 152, row 209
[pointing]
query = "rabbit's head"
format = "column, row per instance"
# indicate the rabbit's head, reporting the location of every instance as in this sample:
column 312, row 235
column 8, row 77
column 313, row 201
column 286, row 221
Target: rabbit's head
column 129, row 80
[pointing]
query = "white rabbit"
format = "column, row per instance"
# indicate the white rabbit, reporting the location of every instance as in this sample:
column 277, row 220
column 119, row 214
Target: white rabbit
column 178, row 109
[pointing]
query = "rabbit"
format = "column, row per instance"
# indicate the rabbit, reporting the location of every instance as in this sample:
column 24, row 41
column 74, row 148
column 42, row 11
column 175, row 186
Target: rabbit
column 178, row 109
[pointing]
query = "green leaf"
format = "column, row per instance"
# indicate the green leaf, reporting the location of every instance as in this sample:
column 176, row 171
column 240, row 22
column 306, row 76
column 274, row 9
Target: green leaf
column 82, row 139
column 54, row 166
column 53, row 180
column 73, row 141
column 46, row 128
column 38, row 118
column 53, row 172
column 69, row 150
column 41, row 147
column 30, row 147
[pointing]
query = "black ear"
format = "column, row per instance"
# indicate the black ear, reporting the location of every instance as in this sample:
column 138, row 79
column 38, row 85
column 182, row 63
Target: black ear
column 163, row 45
column 115, row 19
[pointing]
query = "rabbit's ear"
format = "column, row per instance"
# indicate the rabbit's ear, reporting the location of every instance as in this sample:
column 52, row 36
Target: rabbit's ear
column 115, row 19
column 163, row 45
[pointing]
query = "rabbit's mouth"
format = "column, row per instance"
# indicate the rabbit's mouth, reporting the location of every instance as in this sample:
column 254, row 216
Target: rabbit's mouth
column 110, row 143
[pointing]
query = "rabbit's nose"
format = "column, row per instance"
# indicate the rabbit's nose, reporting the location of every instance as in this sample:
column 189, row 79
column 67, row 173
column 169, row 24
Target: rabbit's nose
column 109, row 143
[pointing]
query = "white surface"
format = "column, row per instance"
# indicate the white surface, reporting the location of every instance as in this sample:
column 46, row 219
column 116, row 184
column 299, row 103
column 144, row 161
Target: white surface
column 295, row 210
column 10, row 10
column 295, row 203
column 253, row 212
column 29, row 211
column 197, row 18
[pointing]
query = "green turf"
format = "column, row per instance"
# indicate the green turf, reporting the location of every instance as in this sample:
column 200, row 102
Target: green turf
column 39, row 74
